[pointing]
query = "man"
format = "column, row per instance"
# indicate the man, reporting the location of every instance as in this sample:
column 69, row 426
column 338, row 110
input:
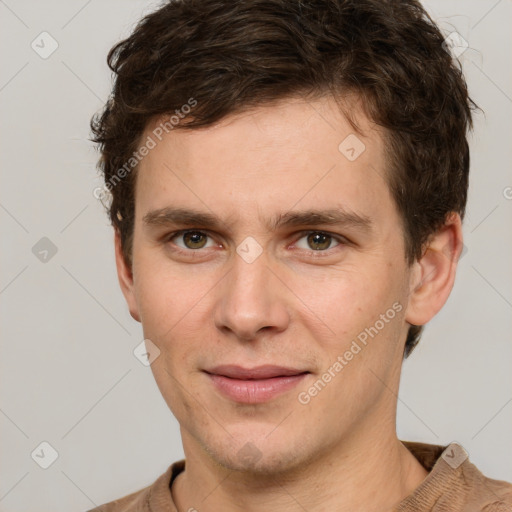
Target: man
column 287, row 186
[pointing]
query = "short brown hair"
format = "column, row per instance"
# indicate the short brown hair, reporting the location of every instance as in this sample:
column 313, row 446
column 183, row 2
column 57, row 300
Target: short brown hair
column 232, row 55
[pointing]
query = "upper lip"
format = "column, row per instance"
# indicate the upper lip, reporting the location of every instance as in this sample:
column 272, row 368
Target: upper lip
column 259, row 372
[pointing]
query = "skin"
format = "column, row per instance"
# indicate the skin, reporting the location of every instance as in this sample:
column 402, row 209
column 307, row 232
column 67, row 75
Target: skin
column 289, row 307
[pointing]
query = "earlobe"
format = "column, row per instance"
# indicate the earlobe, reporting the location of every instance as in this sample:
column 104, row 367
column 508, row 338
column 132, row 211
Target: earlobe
column 125, row 277
column 433, row 275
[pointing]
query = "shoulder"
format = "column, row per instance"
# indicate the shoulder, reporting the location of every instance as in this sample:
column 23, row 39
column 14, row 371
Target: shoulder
column 498, row 492
column 454, row 483
column 156, row 496
column 134, row 502
column 486, row 494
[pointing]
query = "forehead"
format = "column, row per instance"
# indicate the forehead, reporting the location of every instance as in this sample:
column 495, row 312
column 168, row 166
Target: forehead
column 294, row 155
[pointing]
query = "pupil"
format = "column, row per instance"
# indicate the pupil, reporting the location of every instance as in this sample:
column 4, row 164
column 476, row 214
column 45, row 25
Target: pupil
column 194, row 237
column 316, row 238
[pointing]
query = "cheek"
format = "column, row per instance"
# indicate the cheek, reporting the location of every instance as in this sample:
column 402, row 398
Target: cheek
column 175, row 310
column 163, row 299
column 347, row 301
column 175, row 390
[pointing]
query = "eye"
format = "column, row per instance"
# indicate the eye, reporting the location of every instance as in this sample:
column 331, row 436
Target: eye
column 192, row 239
column 319, row 241
column 315, row 241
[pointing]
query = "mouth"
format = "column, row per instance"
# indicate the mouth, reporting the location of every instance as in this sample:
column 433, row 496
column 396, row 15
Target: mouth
column 254, row 385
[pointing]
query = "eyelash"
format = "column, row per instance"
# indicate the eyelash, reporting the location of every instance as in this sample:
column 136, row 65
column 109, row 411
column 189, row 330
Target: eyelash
column 318, row 254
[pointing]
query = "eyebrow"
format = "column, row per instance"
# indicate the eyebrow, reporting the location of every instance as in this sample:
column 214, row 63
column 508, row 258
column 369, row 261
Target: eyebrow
column 194, row 218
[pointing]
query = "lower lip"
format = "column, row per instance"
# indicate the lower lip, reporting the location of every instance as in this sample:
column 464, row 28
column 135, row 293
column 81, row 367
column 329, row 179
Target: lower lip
column 255, row 391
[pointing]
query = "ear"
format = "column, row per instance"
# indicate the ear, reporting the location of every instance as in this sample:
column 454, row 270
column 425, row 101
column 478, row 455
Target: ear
column 125, row 276
column 433, row 275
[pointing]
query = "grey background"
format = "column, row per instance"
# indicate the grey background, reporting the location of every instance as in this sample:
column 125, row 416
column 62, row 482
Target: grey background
column 67, row 369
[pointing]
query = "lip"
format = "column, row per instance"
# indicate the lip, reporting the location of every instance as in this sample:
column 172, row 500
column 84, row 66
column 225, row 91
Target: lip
column 266, row 371
column 254, row 385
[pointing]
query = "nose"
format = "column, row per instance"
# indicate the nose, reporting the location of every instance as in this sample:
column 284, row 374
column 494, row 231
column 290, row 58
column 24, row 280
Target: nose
column 251, row 300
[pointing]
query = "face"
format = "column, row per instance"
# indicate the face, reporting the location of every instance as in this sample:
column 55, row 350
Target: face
column 269, row 283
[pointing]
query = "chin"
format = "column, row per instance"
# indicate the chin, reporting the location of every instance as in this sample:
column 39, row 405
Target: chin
column 256, row 455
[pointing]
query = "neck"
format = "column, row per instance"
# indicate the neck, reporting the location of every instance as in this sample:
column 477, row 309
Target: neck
column 358, row 475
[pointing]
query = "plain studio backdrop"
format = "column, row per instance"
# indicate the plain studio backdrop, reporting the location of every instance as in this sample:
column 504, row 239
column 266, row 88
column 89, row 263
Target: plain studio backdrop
column 69, row 377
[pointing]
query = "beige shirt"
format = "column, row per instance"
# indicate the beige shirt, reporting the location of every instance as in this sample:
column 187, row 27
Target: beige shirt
column 452, row 485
